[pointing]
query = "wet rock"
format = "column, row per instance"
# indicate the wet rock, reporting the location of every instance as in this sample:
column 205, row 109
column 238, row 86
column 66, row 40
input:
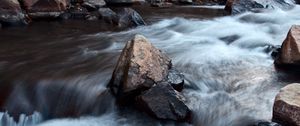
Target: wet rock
column 267, row 124
column 108, row 16
column 176, row 79
column 240, row 6
column 163, row 102
column 286, row 108
column 46, row 9
column 140, row 66
column 11, row 13
column 93, row 5
column 290, row 49
column 128, row 17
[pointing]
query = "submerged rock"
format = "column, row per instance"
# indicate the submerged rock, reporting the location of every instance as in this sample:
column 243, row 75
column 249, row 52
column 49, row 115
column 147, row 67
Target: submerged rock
column 46, row 8
column 240, row 6
column 290, row 49
column 11, row 13
column 267, row 124
column 286, row 109
column 163, row 102
column 140, row 66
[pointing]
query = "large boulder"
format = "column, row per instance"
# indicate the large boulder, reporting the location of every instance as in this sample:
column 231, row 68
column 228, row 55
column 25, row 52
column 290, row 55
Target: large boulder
column 128, row 17
column 140, row 66
column 11, row 13
column 240, row 6
column 45, row 8
column 163, row 102
column 286, row 109
column 290, row 49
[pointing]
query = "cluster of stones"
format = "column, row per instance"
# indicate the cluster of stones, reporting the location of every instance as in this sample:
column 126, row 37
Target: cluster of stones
column 145, row 77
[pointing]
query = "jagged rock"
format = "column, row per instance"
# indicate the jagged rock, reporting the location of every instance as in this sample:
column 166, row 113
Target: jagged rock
column 128, row 17
column 163, row 102
column 240, row 6
column 11, row 13
column 38, row 9
column 290, row 49
column 286, row 108
column 108, row 16
column 140, row 66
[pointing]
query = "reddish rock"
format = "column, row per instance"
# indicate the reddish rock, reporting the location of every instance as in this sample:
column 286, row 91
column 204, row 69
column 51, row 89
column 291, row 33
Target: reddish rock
column 11, row 13
column 290, row 49
column 211, row 2
column 163, row 102
column 140, row 66
column 286, row 108
column 45, row 8
column 240, row 6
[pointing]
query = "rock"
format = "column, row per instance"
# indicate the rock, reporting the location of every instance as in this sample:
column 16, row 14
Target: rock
column 38, row 9
column 267, row 124
column 162, row 4
column 93, row 5
column 11, row 13
column 78, row 12
column 211, row 2
column 163, row 102
column 290, row 49
column 140, row 66
column 120, row 2
column 176, row 79
column 240, row 6
column 286, row 108
column 108, row 16
column 128, row 17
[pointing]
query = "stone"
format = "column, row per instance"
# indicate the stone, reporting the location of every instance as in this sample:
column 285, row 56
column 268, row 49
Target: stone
column 211, row 2
column 11, row 13
column 46, row 8
column 286, row 108
column 266, row 123
column 128, row 17
column 162, row 4
column 290, row 49
column 163, row 102
column 108, row 16
column 176, row 79
column 93, row 5
column 240, row 6
column 139, row 67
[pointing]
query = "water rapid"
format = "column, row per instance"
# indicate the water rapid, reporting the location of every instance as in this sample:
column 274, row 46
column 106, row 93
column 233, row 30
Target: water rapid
column 231, row 80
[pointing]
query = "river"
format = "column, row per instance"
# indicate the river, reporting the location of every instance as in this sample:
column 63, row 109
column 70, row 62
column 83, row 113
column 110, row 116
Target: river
column 56, row 69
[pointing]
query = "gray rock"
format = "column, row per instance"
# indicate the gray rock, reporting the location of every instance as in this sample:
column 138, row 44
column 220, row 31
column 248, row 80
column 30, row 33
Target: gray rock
column 163, row 102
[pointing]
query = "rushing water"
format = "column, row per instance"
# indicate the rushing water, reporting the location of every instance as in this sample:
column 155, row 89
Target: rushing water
column 231, row 80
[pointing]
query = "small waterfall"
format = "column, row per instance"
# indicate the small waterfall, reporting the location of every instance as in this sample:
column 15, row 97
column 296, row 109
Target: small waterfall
column 31, row 120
